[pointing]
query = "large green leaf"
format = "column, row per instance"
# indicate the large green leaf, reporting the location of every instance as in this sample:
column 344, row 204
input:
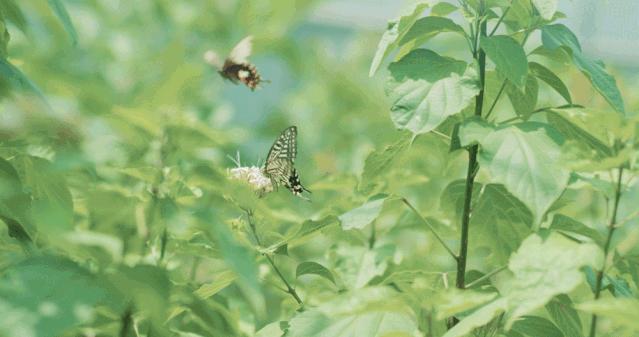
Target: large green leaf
column 534, row 326
column 394, row 32
column 524, row 102
column 523, row 157
column 551, row 79
column 47, row 296
column 546, row 8
column 313, row 268
column 57, row 6
column 454, row 301
column 558, row 35
column 545, row 268
column 565, row 223
column 356, row 266
column 561, row 120
column 565, row 316
column 509, row 58
column 51, row 205
column 371, row 312
column 380, row 161
column 426, row 88
column 622, row 312
column 425, row 29
column 361, row 216
column 479, row 317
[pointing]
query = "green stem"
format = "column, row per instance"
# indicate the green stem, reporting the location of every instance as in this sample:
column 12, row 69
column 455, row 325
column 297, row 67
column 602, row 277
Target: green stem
column 565, row 106
column 611, row 230
column 289, row 289
column 503, row 15
column 431, row 228
column 460, row 280
column 487, row 276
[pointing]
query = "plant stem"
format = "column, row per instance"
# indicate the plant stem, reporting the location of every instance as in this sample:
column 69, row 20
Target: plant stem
column 432, row 229
column 460, row 280
column 611, row 230
column 289, row 289
column 565, row 106
column 501, row 18
column 487, row 276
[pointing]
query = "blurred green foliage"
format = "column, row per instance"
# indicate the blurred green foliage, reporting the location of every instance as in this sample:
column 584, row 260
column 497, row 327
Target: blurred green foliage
column 122, row 220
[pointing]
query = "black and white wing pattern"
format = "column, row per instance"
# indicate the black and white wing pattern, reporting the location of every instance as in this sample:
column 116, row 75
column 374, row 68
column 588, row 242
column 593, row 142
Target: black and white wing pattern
column 280, row 162
column 236, row 66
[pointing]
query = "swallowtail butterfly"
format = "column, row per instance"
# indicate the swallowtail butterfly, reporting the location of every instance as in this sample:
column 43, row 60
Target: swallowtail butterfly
column 236, row 66
column 279, row 165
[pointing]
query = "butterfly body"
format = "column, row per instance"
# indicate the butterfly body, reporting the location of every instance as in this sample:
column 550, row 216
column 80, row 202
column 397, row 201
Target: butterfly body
column 236, row 66
column 280, row 162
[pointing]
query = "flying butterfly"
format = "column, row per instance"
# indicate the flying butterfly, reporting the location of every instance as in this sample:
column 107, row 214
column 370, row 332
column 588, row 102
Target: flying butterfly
column 236, row 67
column 280, row 163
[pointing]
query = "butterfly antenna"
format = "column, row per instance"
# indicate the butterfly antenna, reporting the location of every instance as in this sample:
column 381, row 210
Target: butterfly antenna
column 235, row 160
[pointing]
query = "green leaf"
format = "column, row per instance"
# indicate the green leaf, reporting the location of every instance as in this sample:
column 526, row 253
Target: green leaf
column 356, row 266
column 426, row 88
column 454, row 301
column 565, row 223
column 61, row 12
column 220, row 281
column 370, row 312
column 361, row 216
column 622, row 312
column 478, row 318
column 270, row 330
column 380, row 161
column 442, row 9
column 525, row 157
column 500, row 222
column 13, row 13
column 314, row 268
column 524, row 102
column 452, row 198
column 145, row 287
column 551, row 79
column 426, row 28
column 558, row 35
column 546, row 8
column 536, row 326
column 565, row 316
column 20, row 81
column 572, row 131
column 47, row 296
column 15, row 204
column 509, row 58
column 51, row 205
column 545, row 268
column 395, row 31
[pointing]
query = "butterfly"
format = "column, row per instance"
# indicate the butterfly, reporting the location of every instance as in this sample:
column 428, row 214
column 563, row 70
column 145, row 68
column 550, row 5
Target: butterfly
column 279, row 165
column 236, row 66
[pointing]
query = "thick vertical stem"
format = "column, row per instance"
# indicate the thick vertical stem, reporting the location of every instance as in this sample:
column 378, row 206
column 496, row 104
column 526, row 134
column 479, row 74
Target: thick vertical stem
column 611, row 228
column 460, row 281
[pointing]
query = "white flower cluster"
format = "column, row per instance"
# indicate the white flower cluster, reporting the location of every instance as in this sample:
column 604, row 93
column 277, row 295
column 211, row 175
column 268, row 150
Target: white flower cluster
column 254, row 176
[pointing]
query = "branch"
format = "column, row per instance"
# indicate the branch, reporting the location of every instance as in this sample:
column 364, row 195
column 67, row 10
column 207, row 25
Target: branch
column 503, row 15
column 611, row 230
column 487, row 276
column 431, row 228
column 289, row 289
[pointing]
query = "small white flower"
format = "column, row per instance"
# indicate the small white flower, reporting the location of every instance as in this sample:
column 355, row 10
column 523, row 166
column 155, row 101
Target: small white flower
column 254, row 176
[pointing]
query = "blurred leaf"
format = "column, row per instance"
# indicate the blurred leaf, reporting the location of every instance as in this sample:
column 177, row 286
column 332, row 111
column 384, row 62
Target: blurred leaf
column 394, row 32
column 61, row 12
column 621, row 312
column 380, row 161
column 442, row 9
column 454, row 301
column 536, row 326
column 558, row 35
column 20, row 81
column 46, row 296
column 426, row 88
column 13, row 13
column 546, row 8
column 525, row 158
column 51, row 205
column 314, row 268
column 533, row 285
column 479, row 317
column 221, row 280
column 572, row 131
column 509, row 58
column 565, row 223
column 360, row 217
column 14, row 204
column 452, row 198
column 270, row 330
column 426, row 28
column 551, row 79
column 371, row 312
column 562, row 312
column 524, row 102
column 358, row 266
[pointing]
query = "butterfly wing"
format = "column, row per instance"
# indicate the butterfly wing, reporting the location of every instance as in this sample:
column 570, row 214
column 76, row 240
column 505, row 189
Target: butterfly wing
column 241, row 51
column 281, row 157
